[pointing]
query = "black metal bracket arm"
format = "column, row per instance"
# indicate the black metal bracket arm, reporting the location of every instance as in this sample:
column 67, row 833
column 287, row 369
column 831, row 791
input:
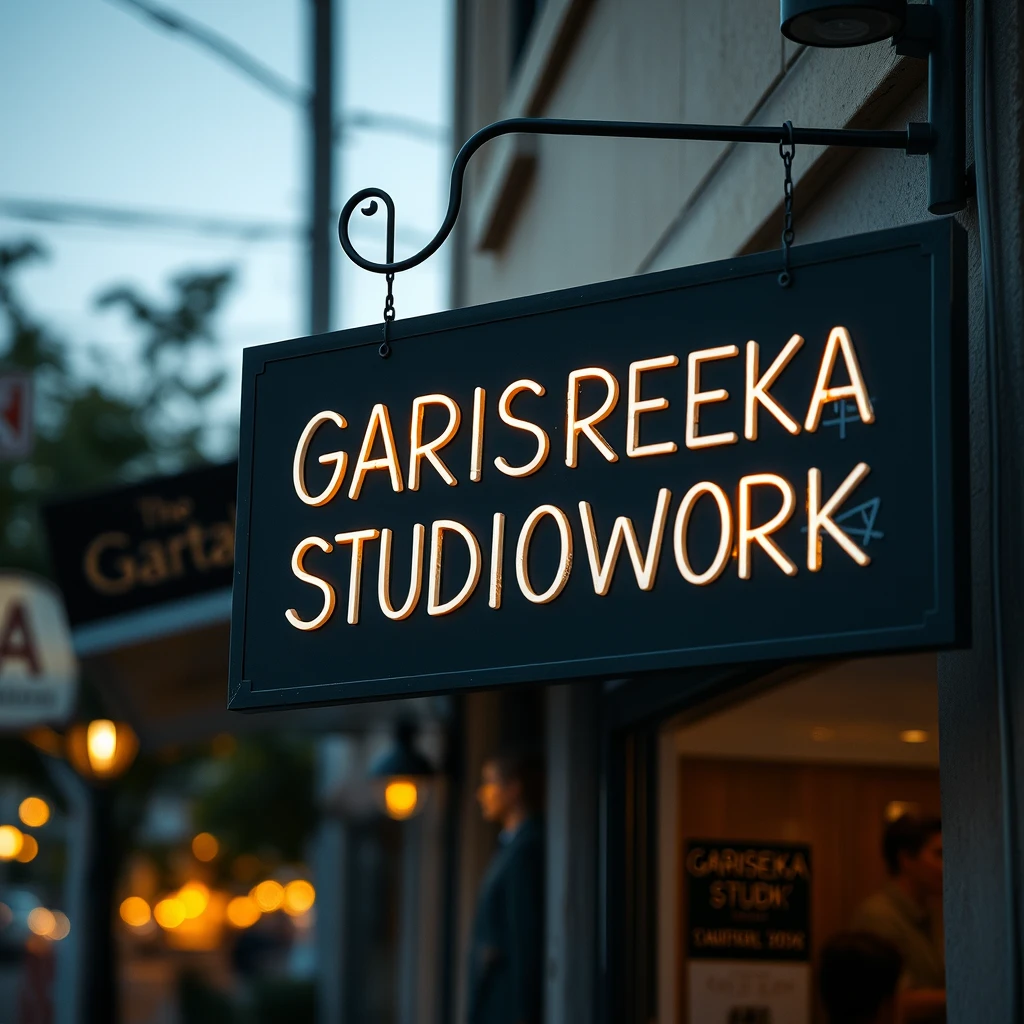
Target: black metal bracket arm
column 916, row 139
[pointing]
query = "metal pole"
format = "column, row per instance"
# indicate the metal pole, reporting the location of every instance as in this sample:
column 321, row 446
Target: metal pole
column 321, row 113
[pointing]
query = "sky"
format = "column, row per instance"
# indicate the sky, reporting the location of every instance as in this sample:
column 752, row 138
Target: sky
column 100, row 105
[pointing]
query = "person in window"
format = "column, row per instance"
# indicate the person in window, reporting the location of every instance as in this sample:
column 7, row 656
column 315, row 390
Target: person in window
column 899, row 913
column 858, row 976
column 507, row 945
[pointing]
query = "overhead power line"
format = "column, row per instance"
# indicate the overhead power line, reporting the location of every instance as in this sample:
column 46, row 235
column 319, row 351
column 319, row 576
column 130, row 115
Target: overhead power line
column 49, row 211
column 268, row 79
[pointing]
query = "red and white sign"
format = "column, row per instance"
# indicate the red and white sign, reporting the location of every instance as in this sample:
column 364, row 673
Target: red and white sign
column 16, row 433
column 38, row 671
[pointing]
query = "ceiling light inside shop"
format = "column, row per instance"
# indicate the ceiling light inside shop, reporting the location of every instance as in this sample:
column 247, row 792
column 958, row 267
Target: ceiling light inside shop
column 401, row 797
column 914, row 736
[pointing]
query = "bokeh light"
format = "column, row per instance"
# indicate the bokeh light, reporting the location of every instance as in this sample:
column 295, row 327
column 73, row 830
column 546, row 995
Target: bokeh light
column 169, row 912
column 194, row 897
column 298, row 897
column 34, row 811
column 135, row 912
column 242, row 912
column 41, row 921
column 205, row 847
column 29, row 849
column 11, row 840
column 269, row 895
column 400, row 799
column 61, row 927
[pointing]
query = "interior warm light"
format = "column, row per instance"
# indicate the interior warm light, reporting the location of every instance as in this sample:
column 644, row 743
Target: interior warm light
column 913, row 736
column 34, row 811
column 194, row 897
column 205, row 846
column 895, row 809
column 242, row 912
column 400, row 799
column 269, row 895
column 101, row 744
column 169, row 913
column 41, row 922
column 11, row 841
column 822, row 733
column 28, row 851
column 299, row 896
column 61, row 927
column 135, row 912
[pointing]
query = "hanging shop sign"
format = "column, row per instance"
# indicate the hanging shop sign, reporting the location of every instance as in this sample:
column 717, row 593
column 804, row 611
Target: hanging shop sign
column 748, row 931
column 163, row 540
column 38, row 671
column 685, row 468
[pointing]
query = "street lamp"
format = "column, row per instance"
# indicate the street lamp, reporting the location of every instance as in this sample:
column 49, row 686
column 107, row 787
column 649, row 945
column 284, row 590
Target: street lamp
column 841, row 23
column 101, row 750
column 403, row 773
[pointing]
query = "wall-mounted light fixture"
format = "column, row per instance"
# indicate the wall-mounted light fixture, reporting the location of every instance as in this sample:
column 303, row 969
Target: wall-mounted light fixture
column 403, row 774
column 841, row 23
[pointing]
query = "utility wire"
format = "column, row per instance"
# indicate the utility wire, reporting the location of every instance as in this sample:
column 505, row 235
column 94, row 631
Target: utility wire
column 268, row 79
column 49, row 211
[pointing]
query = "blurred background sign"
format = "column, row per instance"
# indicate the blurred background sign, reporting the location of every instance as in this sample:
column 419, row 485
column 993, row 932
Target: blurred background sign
column 38, row 672
column 15, row 416
column 131, row 548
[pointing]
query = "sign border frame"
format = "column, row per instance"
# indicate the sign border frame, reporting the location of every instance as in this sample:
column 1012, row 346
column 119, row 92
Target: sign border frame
column 950, row 456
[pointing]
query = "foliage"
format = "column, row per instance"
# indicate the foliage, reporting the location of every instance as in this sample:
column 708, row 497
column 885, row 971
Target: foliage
column 265, row 790
column 104, row 422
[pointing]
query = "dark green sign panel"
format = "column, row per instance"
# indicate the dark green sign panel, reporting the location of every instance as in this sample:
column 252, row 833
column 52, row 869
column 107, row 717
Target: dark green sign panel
column 685, row 468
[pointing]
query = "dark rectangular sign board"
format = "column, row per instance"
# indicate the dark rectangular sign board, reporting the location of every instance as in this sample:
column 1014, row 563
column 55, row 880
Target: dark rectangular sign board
column 681, row 469
column 747, row 900
column 143, row 545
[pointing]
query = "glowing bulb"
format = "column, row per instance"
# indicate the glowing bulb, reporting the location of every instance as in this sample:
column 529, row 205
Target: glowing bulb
column 400, row 799
column 169, row 913
column 135, row 912
column 205, row 846
column 101, row 745
column 28, row 851
column 298, row 897
column 914, row 736
column 194, row 896
column 269, row 895
column 11, row 841
column 41, row 921
column 34, row 811
column 242, row 912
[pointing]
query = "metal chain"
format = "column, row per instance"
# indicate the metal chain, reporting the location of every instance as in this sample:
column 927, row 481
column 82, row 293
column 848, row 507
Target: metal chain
column 389, row 315
column 787, row 150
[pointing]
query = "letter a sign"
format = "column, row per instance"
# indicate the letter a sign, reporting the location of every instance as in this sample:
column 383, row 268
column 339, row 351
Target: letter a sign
column 38, row 672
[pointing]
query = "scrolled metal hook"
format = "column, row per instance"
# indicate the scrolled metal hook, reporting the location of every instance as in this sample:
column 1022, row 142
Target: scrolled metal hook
column 911, row 140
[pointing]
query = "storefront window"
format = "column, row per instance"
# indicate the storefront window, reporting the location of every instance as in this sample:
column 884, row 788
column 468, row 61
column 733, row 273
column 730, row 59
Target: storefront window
column 786, row 821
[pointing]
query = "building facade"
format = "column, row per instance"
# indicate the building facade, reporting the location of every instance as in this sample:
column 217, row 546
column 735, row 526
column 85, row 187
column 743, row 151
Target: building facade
column 814, row 755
